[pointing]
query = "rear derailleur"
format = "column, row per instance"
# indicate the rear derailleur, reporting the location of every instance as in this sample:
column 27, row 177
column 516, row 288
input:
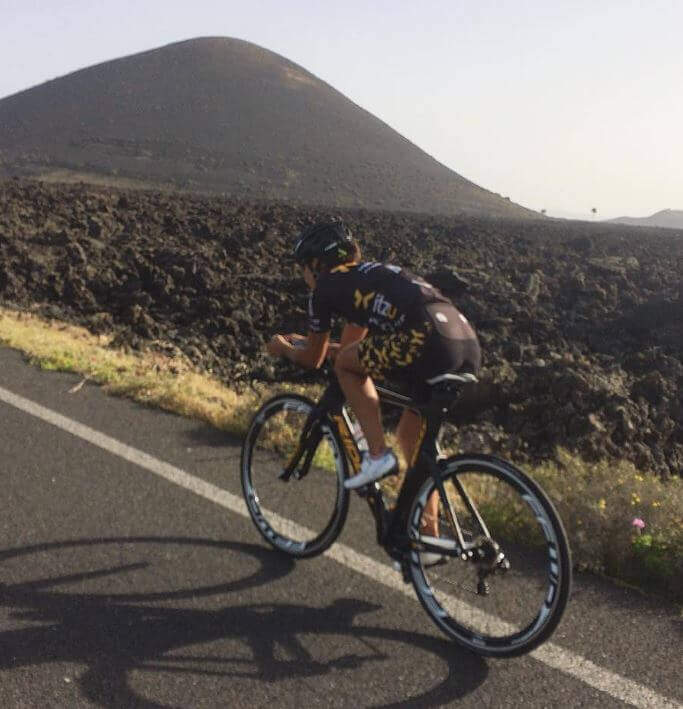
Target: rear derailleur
column 489, row 559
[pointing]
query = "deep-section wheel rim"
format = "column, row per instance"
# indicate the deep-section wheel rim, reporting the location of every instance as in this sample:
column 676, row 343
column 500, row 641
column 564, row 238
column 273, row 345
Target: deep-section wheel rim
column 299, row 517
column 524, row 604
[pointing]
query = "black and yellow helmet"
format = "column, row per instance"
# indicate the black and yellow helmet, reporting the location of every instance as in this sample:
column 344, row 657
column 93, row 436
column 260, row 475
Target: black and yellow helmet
column 331, row 243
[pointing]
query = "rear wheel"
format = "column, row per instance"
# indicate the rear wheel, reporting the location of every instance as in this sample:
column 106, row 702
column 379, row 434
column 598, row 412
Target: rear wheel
column 299, row 516
column 509, row 593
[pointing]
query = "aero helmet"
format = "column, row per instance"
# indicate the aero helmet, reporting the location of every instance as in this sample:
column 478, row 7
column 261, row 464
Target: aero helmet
column 329, row 242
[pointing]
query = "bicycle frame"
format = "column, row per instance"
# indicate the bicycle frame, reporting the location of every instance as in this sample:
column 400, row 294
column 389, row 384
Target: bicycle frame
column 425, row 462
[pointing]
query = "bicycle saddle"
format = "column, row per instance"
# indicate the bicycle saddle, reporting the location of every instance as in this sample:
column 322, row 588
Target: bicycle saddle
column 464, row 378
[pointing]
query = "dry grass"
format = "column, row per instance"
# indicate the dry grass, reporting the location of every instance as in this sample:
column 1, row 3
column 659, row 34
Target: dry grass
column 170, row 382
column 597, row 502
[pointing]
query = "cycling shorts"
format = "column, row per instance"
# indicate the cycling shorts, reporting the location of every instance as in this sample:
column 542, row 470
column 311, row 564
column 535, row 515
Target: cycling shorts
column 441, row 340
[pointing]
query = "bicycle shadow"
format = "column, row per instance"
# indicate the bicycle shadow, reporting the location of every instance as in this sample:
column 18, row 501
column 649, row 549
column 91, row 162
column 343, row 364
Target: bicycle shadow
column 114, row 634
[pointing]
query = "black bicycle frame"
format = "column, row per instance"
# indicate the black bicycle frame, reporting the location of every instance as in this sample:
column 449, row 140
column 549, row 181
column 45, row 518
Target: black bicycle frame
column 390, row 525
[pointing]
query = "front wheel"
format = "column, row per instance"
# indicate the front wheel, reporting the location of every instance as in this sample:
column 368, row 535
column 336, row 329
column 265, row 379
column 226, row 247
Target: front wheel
column 504, row 593
column 301, row 516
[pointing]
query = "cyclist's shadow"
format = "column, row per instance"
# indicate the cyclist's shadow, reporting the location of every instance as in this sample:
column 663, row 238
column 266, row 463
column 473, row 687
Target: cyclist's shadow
column 115, row 634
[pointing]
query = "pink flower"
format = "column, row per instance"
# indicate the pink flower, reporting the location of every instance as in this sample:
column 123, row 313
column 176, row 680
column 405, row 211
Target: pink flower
column 637, row 522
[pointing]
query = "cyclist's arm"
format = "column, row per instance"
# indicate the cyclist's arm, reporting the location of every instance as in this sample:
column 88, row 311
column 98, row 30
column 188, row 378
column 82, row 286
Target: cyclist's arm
column 313, row 353
column 309, row 352
column 350, row 334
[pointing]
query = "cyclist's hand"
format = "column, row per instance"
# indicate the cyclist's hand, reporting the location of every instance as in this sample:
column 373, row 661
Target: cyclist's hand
column 295, row 339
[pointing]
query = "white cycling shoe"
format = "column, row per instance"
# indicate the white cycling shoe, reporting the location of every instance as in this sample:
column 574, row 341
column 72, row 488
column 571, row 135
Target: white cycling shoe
column 373, row 469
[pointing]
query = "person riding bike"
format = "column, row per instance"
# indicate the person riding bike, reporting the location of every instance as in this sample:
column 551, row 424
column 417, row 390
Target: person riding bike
column 398, row 327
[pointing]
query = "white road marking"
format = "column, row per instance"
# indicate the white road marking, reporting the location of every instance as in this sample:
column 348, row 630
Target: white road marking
column 550, row 654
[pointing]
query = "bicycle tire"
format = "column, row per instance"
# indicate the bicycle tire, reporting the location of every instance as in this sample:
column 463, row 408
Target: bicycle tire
column 300, row 517
column 522, row 518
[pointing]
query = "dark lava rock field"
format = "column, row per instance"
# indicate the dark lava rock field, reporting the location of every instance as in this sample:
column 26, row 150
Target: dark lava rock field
column 580, row 323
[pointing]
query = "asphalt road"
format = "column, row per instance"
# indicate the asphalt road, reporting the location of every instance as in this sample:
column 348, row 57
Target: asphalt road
column 119, row 587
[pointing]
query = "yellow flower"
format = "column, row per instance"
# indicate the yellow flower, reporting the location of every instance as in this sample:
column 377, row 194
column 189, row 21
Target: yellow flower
column 656, row 504
column 601, row 503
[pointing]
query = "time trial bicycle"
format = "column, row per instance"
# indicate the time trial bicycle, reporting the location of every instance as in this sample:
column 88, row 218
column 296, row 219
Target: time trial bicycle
column 496, row 578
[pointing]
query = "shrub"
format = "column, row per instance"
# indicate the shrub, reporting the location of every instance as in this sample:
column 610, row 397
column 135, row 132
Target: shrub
column 620, row 522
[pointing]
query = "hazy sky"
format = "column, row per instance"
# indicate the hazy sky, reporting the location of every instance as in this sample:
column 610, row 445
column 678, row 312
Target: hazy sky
column 559, row 105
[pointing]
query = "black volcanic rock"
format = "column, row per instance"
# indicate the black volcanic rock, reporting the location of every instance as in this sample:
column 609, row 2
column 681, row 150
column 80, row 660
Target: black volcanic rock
column 580, row 323
column 224, row 115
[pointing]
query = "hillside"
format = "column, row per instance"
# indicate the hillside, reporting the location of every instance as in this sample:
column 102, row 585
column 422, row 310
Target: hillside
column 224, row 115
column 667, row 218
column 580, row 323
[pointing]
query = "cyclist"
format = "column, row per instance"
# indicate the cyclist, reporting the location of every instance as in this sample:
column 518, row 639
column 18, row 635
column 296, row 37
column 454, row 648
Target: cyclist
column 398, row 327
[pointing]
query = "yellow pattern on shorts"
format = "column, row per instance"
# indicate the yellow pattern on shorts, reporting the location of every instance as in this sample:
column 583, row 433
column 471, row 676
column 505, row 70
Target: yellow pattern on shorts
column 380, row 353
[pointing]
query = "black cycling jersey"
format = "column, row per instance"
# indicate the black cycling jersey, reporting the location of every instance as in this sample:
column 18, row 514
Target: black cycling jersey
column 378, row 296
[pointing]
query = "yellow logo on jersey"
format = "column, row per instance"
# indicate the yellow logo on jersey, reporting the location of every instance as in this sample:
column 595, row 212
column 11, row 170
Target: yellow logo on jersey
column 360, row 299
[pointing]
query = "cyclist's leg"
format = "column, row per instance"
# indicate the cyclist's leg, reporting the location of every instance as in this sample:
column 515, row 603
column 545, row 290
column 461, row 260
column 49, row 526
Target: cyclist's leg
column 407, row 433
column 361, row 395
column 375, row 357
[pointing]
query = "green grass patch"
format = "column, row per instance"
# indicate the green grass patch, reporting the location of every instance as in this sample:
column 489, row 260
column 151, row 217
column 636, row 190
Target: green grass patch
column 598, row 502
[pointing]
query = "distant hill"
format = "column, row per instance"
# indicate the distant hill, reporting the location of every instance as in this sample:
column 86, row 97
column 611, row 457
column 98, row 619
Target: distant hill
column 224, row 115
column 668, row 218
